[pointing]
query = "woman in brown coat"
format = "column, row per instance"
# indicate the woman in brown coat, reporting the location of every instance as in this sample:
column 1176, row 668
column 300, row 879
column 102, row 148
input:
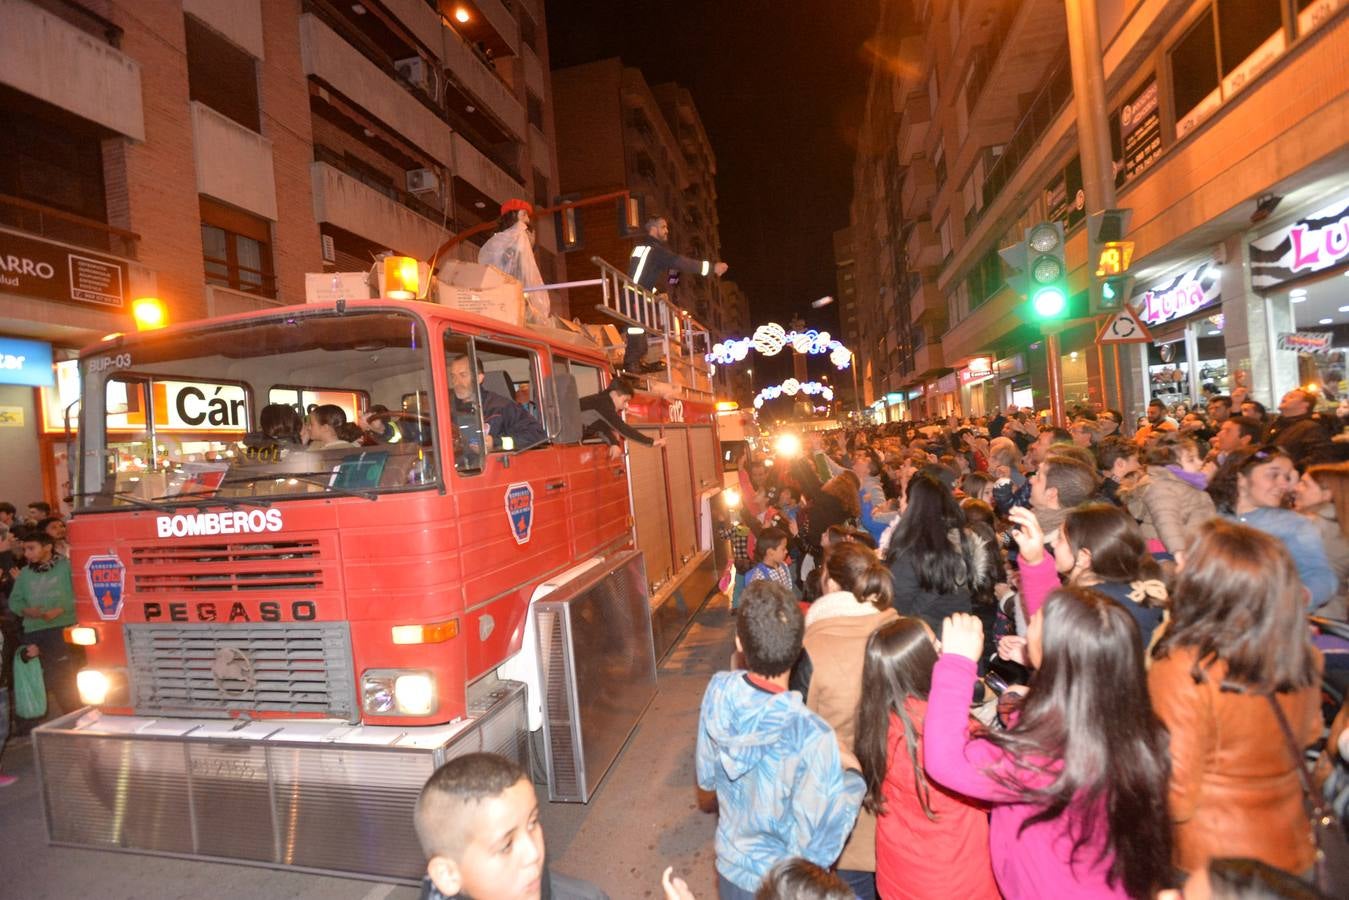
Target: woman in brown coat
column 856, row 602
column 1237, row 638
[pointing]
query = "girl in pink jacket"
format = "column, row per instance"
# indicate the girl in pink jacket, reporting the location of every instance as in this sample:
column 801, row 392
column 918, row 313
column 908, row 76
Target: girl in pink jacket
column 1078, row 784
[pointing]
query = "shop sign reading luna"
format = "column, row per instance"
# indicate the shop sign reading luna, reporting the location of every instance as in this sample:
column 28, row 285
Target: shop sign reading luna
column 1179, row 296
column 1314, row 243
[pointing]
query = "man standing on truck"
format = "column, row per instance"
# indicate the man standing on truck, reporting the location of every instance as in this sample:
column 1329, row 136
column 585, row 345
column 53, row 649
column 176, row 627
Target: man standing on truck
column 502, row 418
column 650, row 264
column 602, row 417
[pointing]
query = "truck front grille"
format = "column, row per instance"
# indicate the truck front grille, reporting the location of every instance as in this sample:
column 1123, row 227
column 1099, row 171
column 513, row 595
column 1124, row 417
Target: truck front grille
column 219, row 669
column 236, row 566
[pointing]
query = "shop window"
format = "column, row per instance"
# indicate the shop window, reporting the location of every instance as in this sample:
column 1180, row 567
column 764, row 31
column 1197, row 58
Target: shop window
column 237, row 249
column 221, row 76
column 1194, row 65
column 1243, row 25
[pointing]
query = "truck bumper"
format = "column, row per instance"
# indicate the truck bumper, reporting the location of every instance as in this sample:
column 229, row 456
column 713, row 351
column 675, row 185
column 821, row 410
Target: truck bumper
column 318, row 796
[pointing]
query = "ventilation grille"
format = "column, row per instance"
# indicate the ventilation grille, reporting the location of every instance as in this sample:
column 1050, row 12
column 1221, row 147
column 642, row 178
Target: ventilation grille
column 209, row 670
column 242, row 566
column 557, row 708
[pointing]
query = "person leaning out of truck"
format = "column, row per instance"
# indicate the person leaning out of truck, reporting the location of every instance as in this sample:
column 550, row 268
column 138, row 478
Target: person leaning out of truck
column 44, row 596
column 602, row 417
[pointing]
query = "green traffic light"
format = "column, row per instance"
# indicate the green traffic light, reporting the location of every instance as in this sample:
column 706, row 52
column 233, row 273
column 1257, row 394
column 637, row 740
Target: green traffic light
column 1108, row 291
column 1049, row 302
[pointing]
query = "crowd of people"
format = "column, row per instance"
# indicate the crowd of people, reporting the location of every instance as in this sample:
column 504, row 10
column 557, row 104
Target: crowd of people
column 1054, row 661
column 974, row 658
column 37, row 603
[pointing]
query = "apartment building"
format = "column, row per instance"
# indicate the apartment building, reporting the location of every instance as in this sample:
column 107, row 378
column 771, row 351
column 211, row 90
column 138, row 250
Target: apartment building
column 211, row 154
column 1230, row 129
column 845, row 294
column 617, row 133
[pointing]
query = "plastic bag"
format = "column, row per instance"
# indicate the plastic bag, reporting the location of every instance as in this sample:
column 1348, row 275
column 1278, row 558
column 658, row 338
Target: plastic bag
column 512, row 252
column 30, row 689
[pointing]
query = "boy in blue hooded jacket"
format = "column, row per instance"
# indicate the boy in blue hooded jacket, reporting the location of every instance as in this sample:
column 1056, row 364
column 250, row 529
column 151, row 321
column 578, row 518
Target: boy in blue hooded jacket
column 782, row 790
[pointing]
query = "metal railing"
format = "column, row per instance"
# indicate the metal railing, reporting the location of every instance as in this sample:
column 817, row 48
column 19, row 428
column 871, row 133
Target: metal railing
column 684, row 341
column 59, row 225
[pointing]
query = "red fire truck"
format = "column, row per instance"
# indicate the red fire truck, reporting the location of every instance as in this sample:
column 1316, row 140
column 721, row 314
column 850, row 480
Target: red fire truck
column 284, row 641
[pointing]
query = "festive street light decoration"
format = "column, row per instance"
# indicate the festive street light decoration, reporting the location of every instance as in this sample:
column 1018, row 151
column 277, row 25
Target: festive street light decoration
column 771, row 339
column 791, row 387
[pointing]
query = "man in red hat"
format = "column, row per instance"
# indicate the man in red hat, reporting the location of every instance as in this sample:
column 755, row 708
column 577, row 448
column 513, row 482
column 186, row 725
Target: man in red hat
column 650, row 264
column 511, row 250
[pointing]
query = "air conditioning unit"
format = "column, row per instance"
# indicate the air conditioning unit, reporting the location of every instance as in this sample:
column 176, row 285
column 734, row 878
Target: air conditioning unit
column 423, row 181
column 329, row 248
column 420, row 74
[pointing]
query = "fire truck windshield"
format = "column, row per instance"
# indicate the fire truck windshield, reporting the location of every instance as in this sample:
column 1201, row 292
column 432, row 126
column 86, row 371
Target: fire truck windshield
column 245, row 413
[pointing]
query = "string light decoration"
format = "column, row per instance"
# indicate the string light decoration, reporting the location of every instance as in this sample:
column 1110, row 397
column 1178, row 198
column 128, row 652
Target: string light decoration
column 791, row 387
column 771, row 339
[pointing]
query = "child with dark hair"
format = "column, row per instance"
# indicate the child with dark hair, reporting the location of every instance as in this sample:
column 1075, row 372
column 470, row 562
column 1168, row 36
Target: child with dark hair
column 777, row 768
column 477, row 820
column 801, row 879
column 770, row 553
column 930, row 842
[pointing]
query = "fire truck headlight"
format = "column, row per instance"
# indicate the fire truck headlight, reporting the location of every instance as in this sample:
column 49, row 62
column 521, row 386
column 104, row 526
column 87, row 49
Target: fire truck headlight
column 787, row 446
column 93, row 686
column 415, row 694
column 81, row 635
column 398, row 692
column 377, row 695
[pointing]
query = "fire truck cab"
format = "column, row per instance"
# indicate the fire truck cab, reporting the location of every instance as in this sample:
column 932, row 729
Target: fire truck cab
column 284, row 639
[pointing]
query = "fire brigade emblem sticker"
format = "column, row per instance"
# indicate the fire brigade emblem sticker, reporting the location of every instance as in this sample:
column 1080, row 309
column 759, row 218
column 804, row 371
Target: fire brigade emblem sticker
column 106, row 576
column 520, row 510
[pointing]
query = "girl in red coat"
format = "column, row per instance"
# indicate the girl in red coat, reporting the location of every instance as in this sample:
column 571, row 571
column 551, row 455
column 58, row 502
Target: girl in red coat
column 930, row 842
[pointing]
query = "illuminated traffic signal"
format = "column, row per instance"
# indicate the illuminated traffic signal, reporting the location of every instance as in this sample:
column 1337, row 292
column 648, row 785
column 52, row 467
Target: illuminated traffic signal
column 1116, row 291
column 1111, row 286
column 1046, row 271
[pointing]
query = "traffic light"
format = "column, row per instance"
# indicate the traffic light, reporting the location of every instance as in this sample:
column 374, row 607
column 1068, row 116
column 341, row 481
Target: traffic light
column 1041, row 272
column 1115, row 291
column 1047, row 270
column 1111, row 287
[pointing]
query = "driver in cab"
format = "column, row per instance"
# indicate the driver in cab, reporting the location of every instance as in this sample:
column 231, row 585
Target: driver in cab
column 506, row 424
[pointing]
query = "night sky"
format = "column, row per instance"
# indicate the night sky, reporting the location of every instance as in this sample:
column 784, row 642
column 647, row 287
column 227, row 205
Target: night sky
column 779, row 85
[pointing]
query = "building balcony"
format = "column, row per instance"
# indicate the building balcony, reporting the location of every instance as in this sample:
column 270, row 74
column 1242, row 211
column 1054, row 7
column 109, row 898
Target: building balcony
column 325, row 55
column 1020, row 53
column 920, row 185
column 240, row 21
column 927, row 359
column 913, row 127
column 49, row 58
column 67, row 228
column 926, row 303
column 478, row 78
column 539, row 155
column 984, row 329
column 343, row 201
column 473, row 166
column 498, row 15
column 536, row 78
column 921, row 247
column 234, row 164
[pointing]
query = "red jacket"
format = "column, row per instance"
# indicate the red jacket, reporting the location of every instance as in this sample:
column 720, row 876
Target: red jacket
column 917, row 858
